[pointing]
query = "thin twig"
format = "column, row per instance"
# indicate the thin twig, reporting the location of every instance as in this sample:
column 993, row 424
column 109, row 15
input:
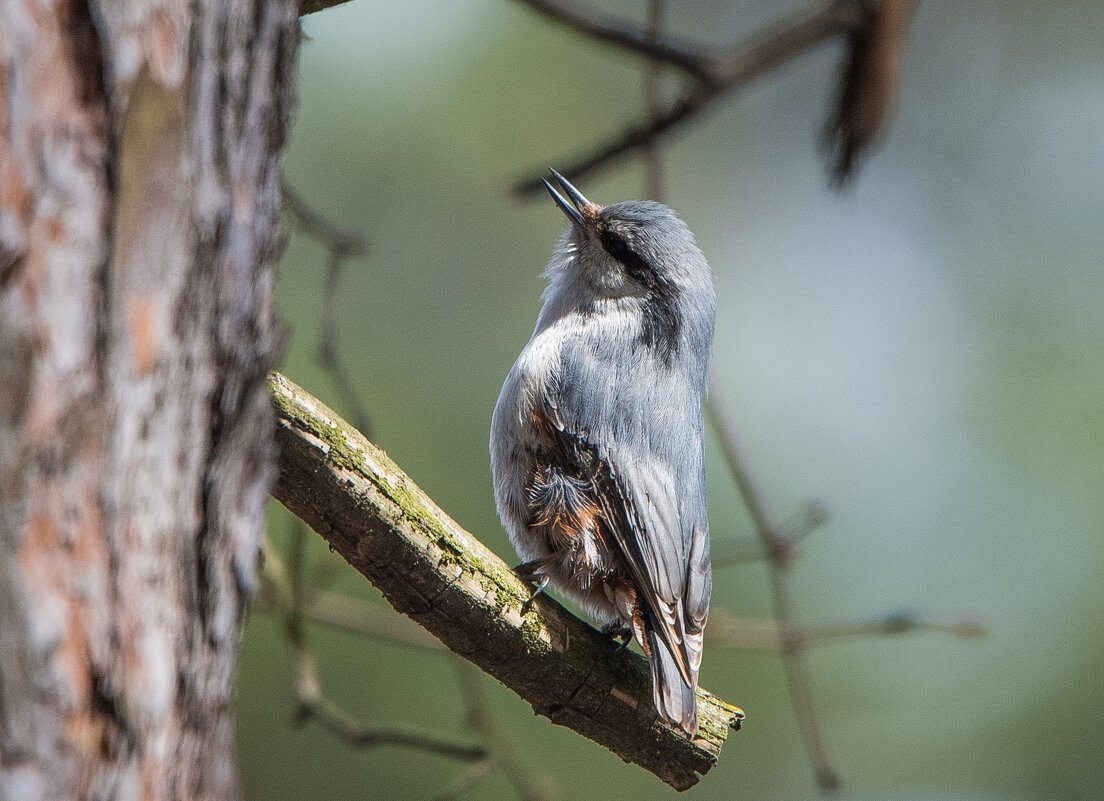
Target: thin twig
column 812, row 26
column 892, row 625
column 729, row 552
column 808, row 519
column 353, row 615
column 295, row 574
column 465, row 781
column 287, row 595
column 530, row 783
column 632, row 138
column 287, row 583
column 627, row 35
column 327, row 347
column 867, row 90
column 781, row 556
column 313, row 705
column 341, row 244
column 653, row 164
column 726, row 631
column 805, row 29
column 346, row 241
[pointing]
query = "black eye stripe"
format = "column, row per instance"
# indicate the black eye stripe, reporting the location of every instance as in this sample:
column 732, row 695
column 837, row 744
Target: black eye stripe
column 638, row 269
column 661, row 320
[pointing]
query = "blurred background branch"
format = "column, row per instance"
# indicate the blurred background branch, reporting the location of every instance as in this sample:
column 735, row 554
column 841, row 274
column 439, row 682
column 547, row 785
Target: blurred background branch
column 870, row 80
column 780, row 555
column 644, row 40
column 530, row 782
column 289, row 595
column 286, row 592
column 874, row 31
column 653, row 164
column 341, row 245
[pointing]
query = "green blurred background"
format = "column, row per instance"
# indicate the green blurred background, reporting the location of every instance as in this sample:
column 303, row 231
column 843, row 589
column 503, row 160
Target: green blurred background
column 921, row 352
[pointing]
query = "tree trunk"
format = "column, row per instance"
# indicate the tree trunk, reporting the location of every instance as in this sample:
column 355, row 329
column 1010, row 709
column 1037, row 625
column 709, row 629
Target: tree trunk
column 139, row 191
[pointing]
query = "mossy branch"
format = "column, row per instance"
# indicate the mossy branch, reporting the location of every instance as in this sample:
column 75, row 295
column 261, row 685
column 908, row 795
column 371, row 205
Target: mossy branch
column 431, row 569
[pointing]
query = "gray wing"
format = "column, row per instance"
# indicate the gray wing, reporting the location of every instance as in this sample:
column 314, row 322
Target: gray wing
column 645, row 427
column 667, row 556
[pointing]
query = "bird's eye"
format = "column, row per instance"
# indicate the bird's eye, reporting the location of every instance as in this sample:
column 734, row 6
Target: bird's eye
column 636, row 268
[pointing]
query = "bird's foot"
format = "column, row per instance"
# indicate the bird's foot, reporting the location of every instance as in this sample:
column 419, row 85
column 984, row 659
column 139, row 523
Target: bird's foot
column 532, row 573
column 618, row 630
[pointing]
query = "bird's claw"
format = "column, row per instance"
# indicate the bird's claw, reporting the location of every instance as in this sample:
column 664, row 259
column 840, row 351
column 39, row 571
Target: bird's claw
column 619, row 630
column 530, row 573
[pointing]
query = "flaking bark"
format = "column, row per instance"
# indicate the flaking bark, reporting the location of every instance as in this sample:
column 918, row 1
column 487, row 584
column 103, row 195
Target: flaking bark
column 140, row 146
column 431, row 569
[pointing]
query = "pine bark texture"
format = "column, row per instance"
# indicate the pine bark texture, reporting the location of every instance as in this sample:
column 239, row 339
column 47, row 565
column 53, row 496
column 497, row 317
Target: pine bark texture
column 139, row 193
column 431, row 569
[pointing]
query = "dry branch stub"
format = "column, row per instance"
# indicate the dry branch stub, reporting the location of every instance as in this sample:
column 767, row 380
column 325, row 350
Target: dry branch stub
column 431, row 569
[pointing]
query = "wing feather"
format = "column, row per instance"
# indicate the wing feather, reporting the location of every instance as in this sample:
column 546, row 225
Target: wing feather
column 644, row 440
column 642, row 510
column 650, row 537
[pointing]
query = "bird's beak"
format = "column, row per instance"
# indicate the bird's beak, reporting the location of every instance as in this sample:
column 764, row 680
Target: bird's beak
column 579, row 209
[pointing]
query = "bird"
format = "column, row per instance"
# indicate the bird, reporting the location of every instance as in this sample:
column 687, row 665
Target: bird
column 597, row 438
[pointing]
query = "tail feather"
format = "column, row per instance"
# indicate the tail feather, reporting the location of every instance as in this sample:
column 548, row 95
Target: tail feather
column 675, row 701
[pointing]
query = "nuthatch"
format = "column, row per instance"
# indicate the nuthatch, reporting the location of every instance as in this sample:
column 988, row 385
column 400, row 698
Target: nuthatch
column 597, row 437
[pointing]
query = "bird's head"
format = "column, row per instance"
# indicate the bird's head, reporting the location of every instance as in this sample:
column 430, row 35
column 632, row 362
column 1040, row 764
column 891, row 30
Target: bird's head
column 635, row 247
